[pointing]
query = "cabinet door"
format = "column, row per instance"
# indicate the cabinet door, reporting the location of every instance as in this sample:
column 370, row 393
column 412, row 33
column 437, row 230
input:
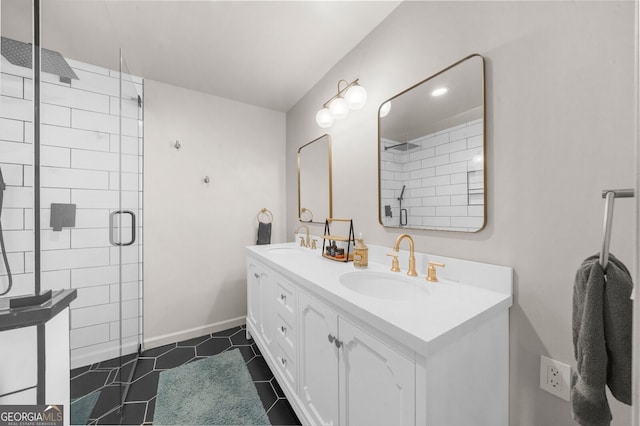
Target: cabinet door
column 260, row 306
column 253, row 295
column 267, row 308
column 377, row 384
column 318, row 360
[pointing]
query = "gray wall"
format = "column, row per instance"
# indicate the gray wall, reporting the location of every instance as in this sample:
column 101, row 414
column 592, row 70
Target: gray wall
column 560, row 128
column 196, row 233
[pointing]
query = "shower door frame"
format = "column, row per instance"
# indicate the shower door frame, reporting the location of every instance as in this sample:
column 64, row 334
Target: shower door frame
column 635, row 407
column 135, row 234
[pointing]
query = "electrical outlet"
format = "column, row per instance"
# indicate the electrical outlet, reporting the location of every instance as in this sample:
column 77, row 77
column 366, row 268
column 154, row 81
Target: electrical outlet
column 555, row 377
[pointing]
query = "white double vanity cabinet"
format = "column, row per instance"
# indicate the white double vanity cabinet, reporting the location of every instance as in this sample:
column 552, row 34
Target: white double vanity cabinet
column 373, row 347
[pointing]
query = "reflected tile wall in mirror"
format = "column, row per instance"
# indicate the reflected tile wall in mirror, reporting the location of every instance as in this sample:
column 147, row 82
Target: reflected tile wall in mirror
column 432, row 153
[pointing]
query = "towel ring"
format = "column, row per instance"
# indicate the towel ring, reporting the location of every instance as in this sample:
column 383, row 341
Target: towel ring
column 265, row 211
column 310, row 214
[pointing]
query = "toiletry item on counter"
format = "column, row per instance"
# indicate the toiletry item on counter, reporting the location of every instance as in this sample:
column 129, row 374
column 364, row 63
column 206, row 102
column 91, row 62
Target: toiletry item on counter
column 360, row 253
column 332, row 249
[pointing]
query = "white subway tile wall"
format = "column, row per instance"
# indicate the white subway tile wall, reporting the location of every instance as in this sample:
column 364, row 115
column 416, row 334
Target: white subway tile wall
column 442, row 176
column 80, row 164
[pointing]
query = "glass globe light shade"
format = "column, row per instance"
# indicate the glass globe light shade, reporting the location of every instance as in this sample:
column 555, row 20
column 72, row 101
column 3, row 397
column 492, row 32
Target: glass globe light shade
column 339, row 108
column 355, row 97
column 385, row 108
column 324, row 118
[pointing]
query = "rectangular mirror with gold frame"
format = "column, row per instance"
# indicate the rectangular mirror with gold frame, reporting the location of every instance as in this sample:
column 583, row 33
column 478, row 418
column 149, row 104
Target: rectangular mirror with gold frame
column 314, row 180
column 431, row 154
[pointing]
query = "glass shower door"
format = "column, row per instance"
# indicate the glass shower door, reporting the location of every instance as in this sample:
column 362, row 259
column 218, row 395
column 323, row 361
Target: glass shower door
column 19, row 361
column 103, row 141
column 90, row 205
column 71, row 158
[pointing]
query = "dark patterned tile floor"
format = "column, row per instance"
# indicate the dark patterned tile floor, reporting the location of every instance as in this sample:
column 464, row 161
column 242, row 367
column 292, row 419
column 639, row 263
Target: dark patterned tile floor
column 138, row 409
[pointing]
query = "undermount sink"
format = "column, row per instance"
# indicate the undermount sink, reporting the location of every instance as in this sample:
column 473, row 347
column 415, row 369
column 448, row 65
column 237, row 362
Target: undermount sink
column 384, row 285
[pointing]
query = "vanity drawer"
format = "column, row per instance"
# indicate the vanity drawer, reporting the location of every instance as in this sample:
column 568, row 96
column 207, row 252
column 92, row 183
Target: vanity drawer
column 287, row 367
column 286, row 301
column 286, row 336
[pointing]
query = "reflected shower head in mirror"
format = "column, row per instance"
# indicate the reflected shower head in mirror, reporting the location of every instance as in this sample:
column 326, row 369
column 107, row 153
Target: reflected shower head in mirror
column 404, row 146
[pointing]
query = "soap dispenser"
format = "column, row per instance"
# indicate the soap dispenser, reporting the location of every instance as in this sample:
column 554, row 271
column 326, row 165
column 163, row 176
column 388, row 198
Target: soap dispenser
column 360, row 254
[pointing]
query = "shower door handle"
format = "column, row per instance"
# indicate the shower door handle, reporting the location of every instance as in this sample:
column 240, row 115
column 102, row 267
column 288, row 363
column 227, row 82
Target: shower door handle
column 112, row 227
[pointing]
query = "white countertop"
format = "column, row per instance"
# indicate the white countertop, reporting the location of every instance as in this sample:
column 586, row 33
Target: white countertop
column 435, row 314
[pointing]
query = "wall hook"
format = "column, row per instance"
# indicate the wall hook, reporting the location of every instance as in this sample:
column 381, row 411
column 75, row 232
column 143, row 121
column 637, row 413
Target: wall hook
column 206, row 179
column 177, row 145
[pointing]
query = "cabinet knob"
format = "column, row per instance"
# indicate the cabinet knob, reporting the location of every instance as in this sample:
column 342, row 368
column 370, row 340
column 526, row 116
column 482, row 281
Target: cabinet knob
column 283, row 329
column 331, row 339
column 283, row 361
column 283, row 297
column 256, row 275
column 338, row 343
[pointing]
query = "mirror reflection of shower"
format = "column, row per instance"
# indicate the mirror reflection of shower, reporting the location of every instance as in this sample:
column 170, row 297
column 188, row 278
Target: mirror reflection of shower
column 403, row 212
column 403, row 147
column 3, row 186
column 435, row 145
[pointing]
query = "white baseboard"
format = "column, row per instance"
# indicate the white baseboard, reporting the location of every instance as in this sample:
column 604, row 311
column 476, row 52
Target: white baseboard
column 154, row 342
column 98, row 353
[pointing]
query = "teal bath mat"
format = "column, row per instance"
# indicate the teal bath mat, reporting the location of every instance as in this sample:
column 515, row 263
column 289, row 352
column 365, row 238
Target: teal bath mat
column 81, row 408
column 213, row 391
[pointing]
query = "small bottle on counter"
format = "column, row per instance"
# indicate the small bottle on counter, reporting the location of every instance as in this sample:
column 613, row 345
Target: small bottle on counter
column 331, row 250
column 360, row 254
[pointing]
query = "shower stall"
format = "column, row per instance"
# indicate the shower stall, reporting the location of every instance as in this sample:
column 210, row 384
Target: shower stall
column 71, row 160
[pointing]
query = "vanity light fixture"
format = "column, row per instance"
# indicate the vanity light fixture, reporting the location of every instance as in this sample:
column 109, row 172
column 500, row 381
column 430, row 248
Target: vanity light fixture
column 352, row 96
column 339, row 108
column 384, row 109
column 439, row 91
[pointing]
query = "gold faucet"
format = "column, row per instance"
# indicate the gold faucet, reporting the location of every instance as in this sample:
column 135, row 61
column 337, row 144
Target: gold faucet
column 412, row 257
column 395, row 266
column 431, row 271
column 303, row 241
